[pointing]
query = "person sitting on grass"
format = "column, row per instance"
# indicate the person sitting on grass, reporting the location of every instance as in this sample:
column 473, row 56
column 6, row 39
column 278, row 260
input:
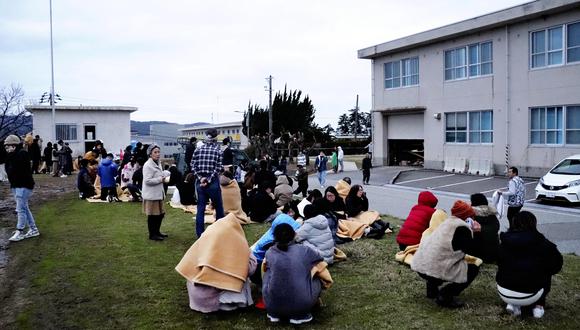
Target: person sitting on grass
column 526, row 263
column 343, row 187
column 289, row 289
column 417, row 220
column 357, row 209
column 316, row 234
column 283, row 191
column 262, row 205
column 312, row 196
column 487, row 240
column 291, row 209
column 137, row 182
column 217, row 267
column 335, row 203
column 84, row 184
column 441, row 257
column 187, row 191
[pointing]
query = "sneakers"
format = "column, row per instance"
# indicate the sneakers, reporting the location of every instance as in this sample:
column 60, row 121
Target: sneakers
column 538, row 311
column 32, row 233
column 306, row 319
column 514, row 310
column 63, row 176
column 17, row 236
column 272, row 319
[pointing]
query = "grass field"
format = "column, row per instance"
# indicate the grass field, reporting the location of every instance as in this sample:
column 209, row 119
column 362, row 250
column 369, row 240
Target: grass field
column 93, row 267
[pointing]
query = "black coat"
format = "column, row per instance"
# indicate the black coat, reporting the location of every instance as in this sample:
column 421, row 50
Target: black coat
column 3, row 154
column 19, row 170
column 526, row 261
column 367, row 164
column 486, row 242
column 356, row 205
column 261, row 205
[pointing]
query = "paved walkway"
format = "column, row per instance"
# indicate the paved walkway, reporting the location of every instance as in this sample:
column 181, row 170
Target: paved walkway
column 561, row 225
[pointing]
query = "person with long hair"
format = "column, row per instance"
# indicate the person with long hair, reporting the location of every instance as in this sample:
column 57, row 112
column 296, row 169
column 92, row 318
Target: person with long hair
column 526, row 263
column 153, row 194
column 288, row 287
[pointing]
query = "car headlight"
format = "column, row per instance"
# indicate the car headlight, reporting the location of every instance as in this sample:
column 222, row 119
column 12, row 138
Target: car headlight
column 574, row 183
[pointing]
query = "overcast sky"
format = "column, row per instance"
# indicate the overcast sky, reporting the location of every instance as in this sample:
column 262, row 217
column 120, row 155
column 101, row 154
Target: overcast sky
column 186, row 61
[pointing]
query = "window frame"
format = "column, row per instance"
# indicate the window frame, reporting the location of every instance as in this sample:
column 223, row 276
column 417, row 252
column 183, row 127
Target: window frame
column 467, row 61
column 564, row 128
column 400, row 77
column 468, row 129
column 69, row 126
column 565, row 48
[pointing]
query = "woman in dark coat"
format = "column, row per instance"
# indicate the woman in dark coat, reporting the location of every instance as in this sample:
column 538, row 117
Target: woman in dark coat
column 356, row 201
column 526, row 263
column 335, row 203
column 47, row 153
column 486, row 241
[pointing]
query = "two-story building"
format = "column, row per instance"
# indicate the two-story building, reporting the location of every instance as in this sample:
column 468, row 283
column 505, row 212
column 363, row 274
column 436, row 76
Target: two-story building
column 231, row 129
column 503, row 87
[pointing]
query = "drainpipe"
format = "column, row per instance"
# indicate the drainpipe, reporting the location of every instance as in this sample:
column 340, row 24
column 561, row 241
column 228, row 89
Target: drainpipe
column 508, row 98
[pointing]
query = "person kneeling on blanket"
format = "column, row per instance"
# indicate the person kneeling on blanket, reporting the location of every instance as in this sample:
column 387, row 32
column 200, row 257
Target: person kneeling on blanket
column 440, row 258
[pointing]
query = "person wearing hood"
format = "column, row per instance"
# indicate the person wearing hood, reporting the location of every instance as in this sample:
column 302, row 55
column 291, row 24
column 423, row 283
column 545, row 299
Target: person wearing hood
column 153, row 194
column 417, row 220
column 486, row 242
column 526, row 263
column 316, row 233
column 283, row 192
column 107, row 173
column 266, row 241
column 441, row 256
column 21, row 184
column 206, row 164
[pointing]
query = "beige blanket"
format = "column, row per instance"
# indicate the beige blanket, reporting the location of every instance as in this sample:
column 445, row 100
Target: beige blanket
column 367, row 217
column 219, row 258
column 343, row 188
column 232, row 202
column 350, row 229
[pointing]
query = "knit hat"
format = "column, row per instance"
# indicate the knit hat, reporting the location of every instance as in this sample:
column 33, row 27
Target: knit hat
column 12, row 140
column 151, row 147
column 462, row 210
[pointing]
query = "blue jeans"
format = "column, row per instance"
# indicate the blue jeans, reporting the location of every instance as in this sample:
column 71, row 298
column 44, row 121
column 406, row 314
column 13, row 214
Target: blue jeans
column 322, row 177
column 21, row 195
column 211, row 191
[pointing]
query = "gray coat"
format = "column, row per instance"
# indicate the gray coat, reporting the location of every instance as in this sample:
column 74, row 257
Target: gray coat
column 316, row 234
column 283, row 192
column 152, row 181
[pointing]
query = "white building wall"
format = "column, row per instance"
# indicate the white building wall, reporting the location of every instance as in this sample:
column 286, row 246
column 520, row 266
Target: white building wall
column 112, row 127
column 527, row 88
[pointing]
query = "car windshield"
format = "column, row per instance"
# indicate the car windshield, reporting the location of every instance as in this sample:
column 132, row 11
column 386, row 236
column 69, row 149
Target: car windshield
column 568, row 167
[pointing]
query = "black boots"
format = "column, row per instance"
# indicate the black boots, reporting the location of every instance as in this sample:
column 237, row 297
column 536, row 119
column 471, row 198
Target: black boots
column 153, row 224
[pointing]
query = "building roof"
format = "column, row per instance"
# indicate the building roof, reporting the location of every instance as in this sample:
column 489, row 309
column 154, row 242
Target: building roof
column 33, row 108
column 204, row 127
column 492, row 20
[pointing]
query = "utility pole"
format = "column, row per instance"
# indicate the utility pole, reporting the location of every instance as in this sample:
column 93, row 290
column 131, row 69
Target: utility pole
column 269, row 79
column 52, row 101
column 356, row 118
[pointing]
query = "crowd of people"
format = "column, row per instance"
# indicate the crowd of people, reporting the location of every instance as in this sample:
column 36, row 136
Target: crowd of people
column 289, row 263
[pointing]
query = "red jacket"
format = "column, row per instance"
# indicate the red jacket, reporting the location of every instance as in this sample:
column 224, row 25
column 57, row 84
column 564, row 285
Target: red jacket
column 418, row 219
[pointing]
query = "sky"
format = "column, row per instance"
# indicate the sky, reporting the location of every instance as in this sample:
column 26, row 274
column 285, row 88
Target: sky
column 190, row 61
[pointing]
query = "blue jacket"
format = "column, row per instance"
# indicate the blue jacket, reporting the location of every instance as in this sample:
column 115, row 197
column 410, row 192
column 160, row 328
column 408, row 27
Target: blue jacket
column 265, row 242
column 107, row 172
column 321, row 163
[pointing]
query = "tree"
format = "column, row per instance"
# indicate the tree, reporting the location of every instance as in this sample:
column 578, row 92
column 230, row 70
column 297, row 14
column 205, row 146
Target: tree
column 13, row 116
column 347, row 123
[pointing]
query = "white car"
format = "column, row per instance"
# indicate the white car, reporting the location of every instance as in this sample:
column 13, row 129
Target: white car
column 562, row 182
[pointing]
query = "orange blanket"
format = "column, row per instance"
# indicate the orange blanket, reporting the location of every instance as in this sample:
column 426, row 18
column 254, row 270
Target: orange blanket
column 343, row 188
column 367, row 217
column 350, row 229
column 219, row 258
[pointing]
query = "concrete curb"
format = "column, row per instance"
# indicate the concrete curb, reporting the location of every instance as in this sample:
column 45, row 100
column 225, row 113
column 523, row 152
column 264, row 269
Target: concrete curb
column 394, row 178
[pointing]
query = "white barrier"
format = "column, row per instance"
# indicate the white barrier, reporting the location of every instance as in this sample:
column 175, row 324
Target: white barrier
column 479, row 166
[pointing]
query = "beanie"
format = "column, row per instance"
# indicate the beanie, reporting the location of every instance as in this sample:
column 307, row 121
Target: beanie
column 12, row 140
column 462, row 210
column 151, row 147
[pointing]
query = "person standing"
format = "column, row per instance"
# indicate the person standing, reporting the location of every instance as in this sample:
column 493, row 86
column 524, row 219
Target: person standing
column 34, row 151
column 206, row 164
column 3, row 155
column 320, row 165
column 55, row 160
column 153, row 193
column 515, row 193
column 340, row 159
column 366, row 168
column 334, row 161
column 189, row 149
column 301, row 158
column 47, row 154
column 21, row 184
column 107, row 173
column 302, row 178
column 228, row 155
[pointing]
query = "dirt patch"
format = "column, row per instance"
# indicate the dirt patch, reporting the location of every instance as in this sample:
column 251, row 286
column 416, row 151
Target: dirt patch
column 47, row 188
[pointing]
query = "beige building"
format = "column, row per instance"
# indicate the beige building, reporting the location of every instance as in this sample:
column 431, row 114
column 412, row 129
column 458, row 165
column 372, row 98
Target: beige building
column 231, row 129
column 502, row 88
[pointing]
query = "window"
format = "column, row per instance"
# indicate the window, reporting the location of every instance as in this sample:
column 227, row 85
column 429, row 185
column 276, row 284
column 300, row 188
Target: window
column 573, row 42
column 402, row 73
column 555, row 125
column 66, row 132
column 456, row 127
column 469, row 127
column 469, row 61
column 547, row 47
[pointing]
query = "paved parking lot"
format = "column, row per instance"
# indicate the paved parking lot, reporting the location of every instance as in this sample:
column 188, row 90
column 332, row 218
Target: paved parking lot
column 463, row 183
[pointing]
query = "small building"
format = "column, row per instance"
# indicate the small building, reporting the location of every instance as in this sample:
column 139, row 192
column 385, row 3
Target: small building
column 231, row 129
column 498, row 89
column 81, row 126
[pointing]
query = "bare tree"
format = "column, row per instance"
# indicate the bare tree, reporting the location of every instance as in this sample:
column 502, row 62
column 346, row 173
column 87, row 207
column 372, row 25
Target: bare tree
column 13, row 116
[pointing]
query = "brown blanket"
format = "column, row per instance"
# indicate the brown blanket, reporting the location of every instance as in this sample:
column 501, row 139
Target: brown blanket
column 367, row 217
column 343, row 188
column 219, row 258
column 232, row 202
column 350, row 229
